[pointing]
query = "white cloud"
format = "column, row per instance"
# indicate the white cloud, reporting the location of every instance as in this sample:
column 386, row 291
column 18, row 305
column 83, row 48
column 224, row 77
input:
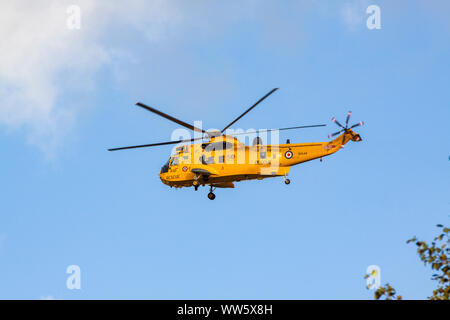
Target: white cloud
column 46, row 68
column 42, row 59
column 47, row 298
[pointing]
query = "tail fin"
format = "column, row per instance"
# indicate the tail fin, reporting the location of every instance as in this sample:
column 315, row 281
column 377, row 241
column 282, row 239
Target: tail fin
column 346, row 137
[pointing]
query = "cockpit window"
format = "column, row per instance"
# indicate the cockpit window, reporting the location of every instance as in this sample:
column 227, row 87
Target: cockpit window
column 175, row 161
column 165, row 167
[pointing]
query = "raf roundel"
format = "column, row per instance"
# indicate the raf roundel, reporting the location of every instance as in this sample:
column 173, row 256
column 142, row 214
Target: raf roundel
column 185, row 169
column 288, row 154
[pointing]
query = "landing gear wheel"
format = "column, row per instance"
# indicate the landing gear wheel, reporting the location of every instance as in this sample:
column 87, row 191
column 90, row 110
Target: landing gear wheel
column 195, row 184
column 287, row 181
column 211, row 196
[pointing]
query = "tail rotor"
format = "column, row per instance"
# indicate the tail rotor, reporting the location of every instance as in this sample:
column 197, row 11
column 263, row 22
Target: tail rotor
column 346, row 129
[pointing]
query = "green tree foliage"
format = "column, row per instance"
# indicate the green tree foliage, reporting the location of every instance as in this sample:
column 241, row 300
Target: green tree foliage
column 435, row 255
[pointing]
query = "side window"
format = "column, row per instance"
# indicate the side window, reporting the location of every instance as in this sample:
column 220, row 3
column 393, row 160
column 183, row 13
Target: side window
column 204, row 160
column 263, row 155
column 185, row 159
column 221, row 159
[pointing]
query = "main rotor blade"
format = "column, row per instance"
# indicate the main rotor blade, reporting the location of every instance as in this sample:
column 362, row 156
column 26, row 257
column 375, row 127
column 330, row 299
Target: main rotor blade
column 155, row 144
column 348, row 118
column 280, row 129
column 248, row 110
column 162, row 114
column 357, row 125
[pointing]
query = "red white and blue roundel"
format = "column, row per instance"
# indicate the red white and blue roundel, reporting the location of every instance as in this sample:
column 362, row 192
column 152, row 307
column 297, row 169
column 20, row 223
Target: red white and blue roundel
column 288, row 154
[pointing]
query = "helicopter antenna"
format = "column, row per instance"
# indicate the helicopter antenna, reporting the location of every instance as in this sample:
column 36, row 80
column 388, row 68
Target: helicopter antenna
column 248, row 110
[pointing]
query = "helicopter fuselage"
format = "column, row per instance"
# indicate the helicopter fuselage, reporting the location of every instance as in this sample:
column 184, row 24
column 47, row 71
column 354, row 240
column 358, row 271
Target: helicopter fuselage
column 225, row 160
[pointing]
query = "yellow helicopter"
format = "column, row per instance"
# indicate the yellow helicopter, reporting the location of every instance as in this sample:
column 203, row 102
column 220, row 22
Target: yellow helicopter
column 221, row 159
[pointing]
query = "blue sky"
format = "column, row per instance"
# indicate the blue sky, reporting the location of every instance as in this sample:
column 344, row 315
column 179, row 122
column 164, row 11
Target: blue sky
column 68, row 95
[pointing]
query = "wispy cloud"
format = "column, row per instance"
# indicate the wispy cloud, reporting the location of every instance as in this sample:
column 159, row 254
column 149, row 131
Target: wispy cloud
column 42, row 59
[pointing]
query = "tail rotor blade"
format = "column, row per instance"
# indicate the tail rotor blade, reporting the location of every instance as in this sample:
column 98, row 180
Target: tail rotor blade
column 337, row 122
column 357, row 125
column 348, row 118
column 334, row 134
